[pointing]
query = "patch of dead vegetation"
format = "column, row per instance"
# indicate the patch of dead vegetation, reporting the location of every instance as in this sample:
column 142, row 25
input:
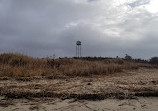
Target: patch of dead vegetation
column 26, row 77
column 19, row 65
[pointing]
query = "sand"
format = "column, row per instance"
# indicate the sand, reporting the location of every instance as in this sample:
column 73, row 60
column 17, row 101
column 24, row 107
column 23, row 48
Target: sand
column 133, row 90
column 142, row 82
column 50, row 104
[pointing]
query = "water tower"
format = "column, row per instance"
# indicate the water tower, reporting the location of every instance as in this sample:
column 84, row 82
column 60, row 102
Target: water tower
column 78, row 49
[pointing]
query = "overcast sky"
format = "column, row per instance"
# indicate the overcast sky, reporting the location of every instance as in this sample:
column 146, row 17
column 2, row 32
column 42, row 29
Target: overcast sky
column 107, row 28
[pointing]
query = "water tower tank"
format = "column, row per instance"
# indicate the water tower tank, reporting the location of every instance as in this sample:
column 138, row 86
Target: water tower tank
column 78, row 43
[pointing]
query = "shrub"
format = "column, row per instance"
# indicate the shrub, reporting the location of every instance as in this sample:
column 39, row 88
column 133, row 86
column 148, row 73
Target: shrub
column 128, row 57
column 154, row 60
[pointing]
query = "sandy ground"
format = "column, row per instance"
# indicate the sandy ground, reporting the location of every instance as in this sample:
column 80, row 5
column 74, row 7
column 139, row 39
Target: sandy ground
column 79, row 93
column 49, row 104
column 142, row 82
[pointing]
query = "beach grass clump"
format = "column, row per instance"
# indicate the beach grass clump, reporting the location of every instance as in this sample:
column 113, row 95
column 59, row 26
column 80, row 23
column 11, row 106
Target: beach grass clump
column 19, row 65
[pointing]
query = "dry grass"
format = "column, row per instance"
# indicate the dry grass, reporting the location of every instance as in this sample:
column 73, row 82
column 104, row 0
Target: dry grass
column 19, row 65
column 26, row 77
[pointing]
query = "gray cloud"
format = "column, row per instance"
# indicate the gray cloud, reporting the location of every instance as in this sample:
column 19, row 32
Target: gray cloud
column 106, row 28
column 138, row 3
